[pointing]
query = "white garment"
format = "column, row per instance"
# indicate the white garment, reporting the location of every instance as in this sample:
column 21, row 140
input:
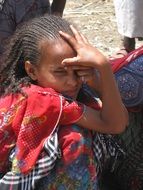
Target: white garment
column 129, row 15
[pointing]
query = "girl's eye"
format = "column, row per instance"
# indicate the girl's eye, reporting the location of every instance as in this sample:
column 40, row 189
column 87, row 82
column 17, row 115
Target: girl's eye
column 60, row 72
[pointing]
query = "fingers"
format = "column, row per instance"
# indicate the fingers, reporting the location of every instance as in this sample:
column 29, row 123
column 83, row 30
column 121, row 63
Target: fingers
column 70, row 61
column 77, row 67
column 85, row 53
column 71, row 40
column 85, row 75
column 77, row 35
column 84, row 39
column 77, row 39
column 83, row 79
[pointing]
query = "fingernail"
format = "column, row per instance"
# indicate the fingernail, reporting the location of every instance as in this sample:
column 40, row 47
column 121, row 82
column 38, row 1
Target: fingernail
column 83, row 79
column 60, row 32
column 71, row 26
column 63, row 63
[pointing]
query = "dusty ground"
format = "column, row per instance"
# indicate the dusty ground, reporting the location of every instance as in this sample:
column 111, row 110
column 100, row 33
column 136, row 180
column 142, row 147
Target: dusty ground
column 96, row 19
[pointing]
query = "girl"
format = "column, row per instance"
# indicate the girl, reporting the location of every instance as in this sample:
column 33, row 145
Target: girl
column 42, row 74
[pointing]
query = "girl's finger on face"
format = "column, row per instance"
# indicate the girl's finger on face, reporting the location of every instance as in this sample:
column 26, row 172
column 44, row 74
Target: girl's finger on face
column 85, row 79
column 71, row 40
column 84, row 73
column 78, row 67
column 70, row 61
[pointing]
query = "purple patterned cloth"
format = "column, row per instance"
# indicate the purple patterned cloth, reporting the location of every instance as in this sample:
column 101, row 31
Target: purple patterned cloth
column 130, row 82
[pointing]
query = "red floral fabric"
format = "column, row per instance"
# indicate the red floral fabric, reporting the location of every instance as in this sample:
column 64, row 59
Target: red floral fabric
column 26, row 122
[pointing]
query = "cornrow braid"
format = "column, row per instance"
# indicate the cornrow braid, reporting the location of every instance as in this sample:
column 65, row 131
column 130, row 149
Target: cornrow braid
column 24, row 46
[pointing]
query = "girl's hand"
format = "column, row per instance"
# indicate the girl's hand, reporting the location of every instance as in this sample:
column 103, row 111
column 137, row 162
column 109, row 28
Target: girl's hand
column 84, row 73
column 112, row 118
column 89, row 76
column 87, row 55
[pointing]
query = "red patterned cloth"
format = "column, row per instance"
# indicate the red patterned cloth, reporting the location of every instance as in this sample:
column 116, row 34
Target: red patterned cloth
column 26, row 122
column 117, row 64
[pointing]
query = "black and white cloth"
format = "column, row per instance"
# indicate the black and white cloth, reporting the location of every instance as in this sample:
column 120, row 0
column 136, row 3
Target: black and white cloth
column 45, row 163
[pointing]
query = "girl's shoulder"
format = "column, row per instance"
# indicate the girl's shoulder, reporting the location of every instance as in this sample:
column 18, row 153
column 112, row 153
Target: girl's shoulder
column 42, row 100
column 38, row 90
column 34, row 96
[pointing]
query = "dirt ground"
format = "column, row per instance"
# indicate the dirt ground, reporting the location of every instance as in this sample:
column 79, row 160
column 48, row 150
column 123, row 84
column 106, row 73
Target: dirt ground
column 96, row 19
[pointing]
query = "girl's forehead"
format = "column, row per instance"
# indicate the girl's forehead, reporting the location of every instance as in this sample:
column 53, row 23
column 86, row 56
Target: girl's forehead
column 54, row 52
column 57, row 48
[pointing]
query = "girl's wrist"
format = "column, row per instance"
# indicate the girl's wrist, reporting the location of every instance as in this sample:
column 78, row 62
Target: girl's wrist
column 103, row 65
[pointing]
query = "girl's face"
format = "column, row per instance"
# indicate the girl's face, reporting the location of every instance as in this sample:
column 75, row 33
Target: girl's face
column 51, row 73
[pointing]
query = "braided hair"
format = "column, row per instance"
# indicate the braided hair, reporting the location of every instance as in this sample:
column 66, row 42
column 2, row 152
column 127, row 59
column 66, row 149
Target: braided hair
column 24, row 47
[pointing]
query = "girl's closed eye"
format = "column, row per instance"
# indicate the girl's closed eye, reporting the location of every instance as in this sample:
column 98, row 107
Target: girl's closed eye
column 60, row 72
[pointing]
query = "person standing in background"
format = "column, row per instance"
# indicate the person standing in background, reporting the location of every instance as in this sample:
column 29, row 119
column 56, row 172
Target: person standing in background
column 15, row 12
column 129, row 17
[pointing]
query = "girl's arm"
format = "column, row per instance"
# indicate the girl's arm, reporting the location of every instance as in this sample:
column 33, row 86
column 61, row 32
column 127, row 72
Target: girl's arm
column 113, row 117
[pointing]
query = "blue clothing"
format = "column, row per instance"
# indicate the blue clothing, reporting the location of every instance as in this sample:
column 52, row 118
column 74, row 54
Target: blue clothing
column 130, row 82
column 13, row 13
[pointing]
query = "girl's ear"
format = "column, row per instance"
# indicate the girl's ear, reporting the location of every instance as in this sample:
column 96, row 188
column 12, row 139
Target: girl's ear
column 30, row 70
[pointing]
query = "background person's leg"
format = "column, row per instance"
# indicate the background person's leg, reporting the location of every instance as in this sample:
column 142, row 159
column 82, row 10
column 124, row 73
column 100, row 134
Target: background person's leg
column 129, row 44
